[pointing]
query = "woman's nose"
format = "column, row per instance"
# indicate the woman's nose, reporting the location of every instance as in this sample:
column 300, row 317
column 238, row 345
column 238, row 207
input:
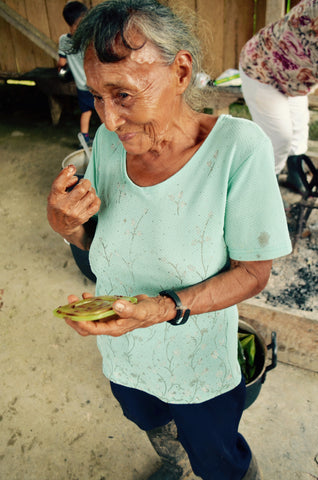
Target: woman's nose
column 112, row 117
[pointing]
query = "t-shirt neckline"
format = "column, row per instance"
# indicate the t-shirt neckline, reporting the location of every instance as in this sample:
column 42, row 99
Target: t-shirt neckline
column 201, row 150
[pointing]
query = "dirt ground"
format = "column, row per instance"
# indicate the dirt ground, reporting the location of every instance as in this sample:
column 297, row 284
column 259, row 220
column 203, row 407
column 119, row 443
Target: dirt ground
column 293, row 285
column 59, row 422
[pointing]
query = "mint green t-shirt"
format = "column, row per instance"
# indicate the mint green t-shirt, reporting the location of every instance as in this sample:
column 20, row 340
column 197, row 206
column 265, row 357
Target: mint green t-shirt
column 224, row 203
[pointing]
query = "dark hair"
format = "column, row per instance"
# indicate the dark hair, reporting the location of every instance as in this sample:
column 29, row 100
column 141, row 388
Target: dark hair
column 157, row 23
column 73, row 11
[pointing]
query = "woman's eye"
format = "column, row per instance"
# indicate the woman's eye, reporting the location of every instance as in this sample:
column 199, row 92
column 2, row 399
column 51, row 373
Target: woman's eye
column 123, row 95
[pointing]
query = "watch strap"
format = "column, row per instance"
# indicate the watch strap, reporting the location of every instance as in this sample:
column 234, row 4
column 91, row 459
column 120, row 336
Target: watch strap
column 182, row 314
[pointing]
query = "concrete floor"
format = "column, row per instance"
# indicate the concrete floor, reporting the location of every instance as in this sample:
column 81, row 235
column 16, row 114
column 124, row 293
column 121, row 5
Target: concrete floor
column 58, row 418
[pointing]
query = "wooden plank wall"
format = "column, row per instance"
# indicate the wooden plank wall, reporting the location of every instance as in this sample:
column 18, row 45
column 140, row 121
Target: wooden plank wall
column 228, row 24
column 19, row 54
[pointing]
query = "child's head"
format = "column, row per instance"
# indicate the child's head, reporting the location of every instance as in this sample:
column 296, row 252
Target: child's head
column 73, row 11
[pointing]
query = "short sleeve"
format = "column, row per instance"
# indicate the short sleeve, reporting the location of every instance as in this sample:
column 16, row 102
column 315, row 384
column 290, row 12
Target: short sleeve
column 65, row 45
column 62, row 46
column 255, row 220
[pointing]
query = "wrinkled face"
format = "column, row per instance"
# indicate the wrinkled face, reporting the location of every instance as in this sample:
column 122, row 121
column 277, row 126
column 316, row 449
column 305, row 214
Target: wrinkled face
column 135, row 97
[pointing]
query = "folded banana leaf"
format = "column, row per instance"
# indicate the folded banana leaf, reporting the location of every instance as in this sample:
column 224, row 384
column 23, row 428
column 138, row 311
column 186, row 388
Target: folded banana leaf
column 91, row 309
column 246, row 355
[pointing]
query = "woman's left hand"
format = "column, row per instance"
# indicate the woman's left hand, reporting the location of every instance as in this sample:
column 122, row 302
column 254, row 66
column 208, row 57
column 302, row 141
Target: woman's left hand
column 147, row 312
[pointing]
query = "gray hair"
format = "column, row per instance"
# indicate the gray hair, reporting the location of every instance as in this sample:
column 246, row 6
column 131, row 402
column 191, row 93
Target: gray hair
column 156, row 22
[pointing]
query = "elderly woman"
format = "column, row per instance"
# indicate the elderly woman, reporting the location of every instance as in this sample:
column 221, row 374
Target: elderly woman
column 189, row 220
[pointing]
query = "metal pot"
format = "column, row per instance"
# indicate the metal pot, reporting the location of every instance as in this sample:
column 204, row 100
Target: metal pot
column 79, row 159
column 253, row 387
column 65, row 74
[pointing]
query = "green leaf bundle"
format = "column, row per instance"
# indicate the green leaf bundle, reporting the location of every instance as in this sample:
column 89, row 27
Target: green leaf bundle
column 90, row 309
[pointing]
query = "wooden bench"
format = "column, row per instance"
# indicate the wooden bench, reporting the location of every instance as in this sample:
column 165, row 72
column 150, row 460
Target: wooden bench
column 220, row 98
column 49, row 83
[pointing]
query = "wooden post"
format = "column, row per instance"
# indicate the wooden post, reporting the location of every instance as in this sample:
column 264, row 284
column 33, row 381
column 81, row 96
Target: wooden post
column 56, row 108
column 275, row 9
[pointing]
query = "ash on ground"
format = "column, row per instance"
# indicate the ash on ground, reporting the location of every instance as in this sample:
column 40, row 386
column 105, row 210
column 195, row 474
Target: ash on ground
column 293, row 285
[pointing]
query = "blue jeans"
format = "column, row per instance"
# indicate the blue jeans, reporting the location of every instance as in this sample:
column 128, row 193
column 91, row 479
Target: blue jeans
column 208, row 431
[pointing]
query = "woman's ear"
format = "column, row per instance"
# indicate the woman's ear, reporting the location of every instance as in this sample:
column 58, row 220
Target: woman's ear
column 183, row 70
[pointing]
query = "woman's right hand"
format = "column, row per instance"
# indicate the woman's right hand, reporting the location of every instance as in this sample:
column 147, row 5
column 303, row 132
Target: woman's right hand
column 67, row 211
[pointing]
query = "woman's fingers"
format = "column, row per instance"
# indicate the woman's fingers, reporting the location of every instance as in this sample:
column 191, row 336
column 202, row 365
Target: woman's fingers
column 73, row 298
column 87, row 295
column 67, row 210
column 65, row 179
column 77, row 325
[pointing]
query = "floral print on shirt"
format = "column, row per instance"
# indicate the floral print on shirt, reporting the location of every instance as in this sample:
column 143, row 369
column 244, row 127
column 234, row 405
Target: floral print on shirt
column 284, row 54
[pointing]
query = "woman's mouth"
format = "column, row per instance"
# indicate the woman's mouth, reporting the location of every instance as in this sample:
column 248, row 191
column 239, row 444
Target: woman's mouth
column 125, row 137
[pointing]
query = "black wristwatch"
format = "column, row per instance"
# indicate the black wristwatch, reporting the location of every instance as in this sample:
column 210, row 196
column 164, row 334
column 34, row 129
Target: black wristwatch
column 182, row 314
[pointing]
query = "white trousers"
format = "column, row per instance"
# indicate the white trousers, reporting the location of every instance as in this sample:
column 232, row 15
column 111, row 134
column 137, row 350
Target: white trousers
column 284, row 119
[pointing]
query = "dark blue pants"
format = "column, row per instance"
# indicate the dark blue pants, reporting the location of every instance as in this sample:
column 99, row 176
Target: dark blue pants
column 85, row 100
column 208, row 431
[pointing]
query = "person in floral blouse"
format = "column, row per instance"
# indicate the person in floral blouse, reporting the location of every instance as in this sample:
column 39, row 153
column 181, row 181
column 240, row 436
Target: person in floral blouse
column 279, row 68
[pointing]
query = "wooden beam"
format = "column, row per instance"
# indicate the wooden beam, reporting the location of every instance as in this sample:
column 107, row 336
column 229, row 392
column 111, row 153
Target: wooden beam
column 275, row 9
column 29, row 30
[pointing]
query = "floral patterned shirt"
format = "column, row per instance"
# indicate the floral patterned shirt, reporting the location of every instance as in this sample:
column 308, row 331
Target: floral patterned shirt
column 224, row 203
column 284, row 54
